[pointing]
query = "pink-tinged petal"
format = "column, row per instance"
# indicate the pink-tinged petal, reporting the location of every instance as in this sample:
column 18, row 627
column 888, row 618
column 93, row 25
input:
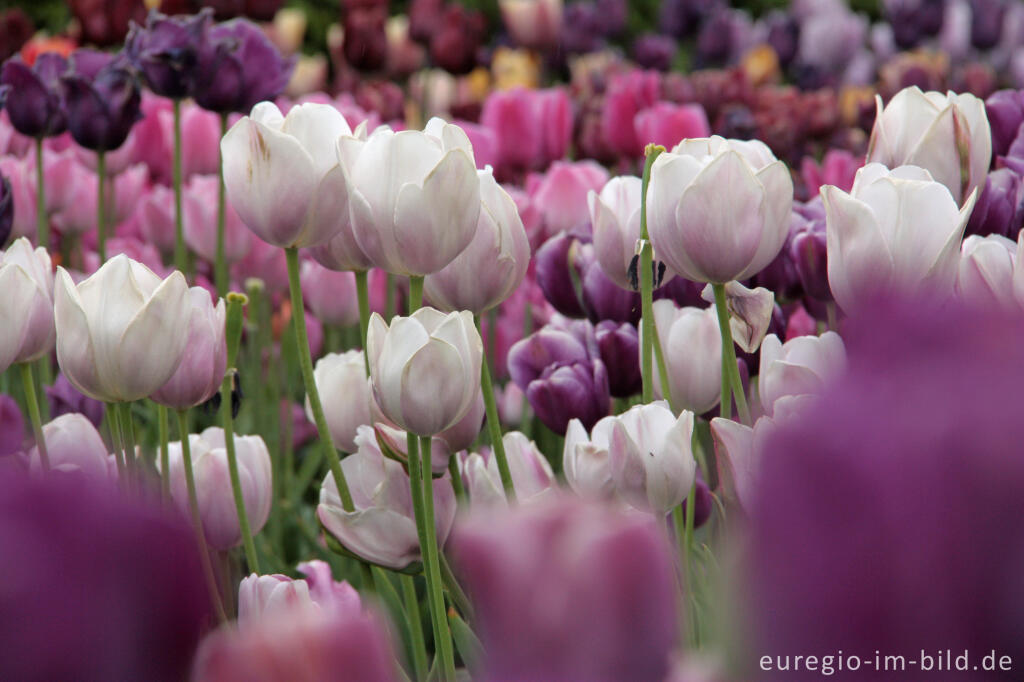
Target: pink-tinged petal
column 438, row 368
column 859, row 261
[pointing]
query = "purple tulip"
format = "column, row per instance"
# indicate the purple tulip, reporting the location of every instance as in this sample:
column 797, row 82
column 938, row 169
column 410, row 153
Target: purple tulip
column 569, row 591
column 6, row 209
column 103, row 100
column 239, row 67
column 619, row 345
column 603, row 299
column 166, row 51
column 553, row 261
column 655, row 51
column 986, row 22
column 880, row 522
column 580, row 32
column 33, row 96
column 1000, row 207
column 12, row 426
column 807, row 252
column 783, row 34
column 913, row 20
column 1005, row 111
column 682, row 18
column 66, row 399
column 136, row 604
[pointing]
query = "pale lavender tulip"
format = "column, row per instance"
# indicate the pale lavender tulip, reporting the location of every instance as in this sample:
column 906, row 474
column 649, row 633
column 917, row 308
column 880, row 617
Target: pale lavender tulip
column 531, row 474
column 270, row 596
column 330, row 294
column 897, row 231
column 155, row 215
column 425, row 368
column 26, row 280
column 326, row 592
column 74, row 445
column 347, row 396
column 946, row 134
column 718, row 209
column 205, row 360
column 535, row 24
column 494, row 263
column 213, row 486
column 20, row 174
column 283, row 176
column 692, row 345
column 561, row 195
column 122, row 332
column 988, row 273
column 615, row 216
column 199, row 218
column 382, row 528
column 394, row 445
column 802, row 365
column 585, row 463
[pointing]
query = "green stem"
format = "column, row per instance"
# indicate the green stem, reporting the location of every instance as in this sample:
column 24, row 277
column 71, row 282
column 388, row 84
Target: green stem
column 453, row 471
column 730, row 372
column 659, row 358
column 128, row 441
column 220, row 267
column 114, row 422
column 165, row 465
column 363, row 293
column 412, row 615
column 180, row 254
column 306, row 364
column 101, row 205
column 29, row 384
column 645, row 274
column 415, row 293
column 42, row 220
column 494, row 428
column 193, row 506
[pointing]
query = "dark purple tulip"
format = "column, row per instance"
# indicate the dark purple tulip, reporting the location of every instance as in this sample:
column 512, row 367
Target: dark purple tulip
column 103, row 100
column 568, row 591
column 1000, row 207
column 66, row 399
column 780, row 276
column 986, row 22
column 913, row 20
column 682, row 18
column 238, row 68
column 553, row 260
column 603, row 299
column 1005, row 111
column 807, row 253
column 654, row 51
column 166, row 51
column 888, row 517
column 610, row 16
column 619, row 345
column 33, row 96
column 424, row 18
column 457, row 40
column 6, row 210
column 685, row 292
column 702, row 502
column 12, row 426
column 366, row 45
column 96, row 586
column 551, row 345
column 580, row 32
column 783, row 35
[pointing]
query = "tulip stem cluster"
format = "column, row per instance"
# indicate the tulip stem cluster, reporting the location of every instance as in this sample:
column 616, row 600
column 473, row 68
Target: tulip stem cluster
column 306, row 365
column 647, row 287
column 101, row 206
column 163, row 434
column 220, row 267
column 494, row 427
column 42, row 220
column 731, row 383
column 412, row 616
column 32, row 402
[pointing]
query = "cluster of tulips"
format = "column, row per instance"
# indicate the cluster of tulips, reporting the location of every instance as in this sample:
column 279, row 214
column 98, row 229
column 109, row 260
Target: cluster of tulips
column 562, row 424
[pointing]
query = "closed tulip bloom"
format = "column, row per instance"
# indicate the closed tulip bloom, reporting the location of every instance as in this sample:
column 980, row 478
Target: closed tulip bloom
column 282, row 174
column 897, row 231
column 382, row 528
column 425, row 368
column 619, row 344
column 946, row 134
column 1005, row 113
column 692, row 345
column 415, row 196
column 32, row 95
column 166, row 51
column 74, row 445
column 155, row 216
column 6, row 209
column 326, row 592
column 535, row 24
column 274, row 596
column 19, row 196
column 718, row 209
column 615, row 216
column 331, row 295
column 102, row 100
column 27, row 303
column 532, row 128
column 64, row 398
column 199, row 215
column 561, row 194
column 122, row 332
column 1000, row 205
column 213, row 487
column 585, row 463
column 205, row 360
column 347, row 397
column 627, row 95
column 531, row 473
column 800, row 366
column 988, row 273
column 669, row 124
column 494, row 263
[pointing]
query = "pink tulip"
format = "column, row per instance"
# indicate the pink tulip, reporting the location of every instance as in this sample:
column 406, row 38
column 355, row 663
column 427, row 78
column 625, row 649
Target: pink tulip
column 200, row 137
column 155, row 214
column 668, row 124
column 532, row 127
column 59, row 175
column 535, row 24
column 838, row 167
column 21, row 173
column 199, row 208
column 561, row 194
column 628, row 94
column 330, row 295
column 264, row 262
column 74, row 445
column 484, row 141
column 202, row 366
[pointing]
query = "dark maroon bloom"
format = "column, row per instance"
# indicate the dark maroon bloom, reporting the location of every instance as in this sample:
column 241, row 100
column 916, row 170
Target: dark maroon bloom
column 166, row 51
column 106, row 22
column 66, row 399
column 619, row 345
column 33, row 96
column 6, row 210
column 457, row 38
column 1005, row 111
column 102, row 98
column 682, row 18
column 97, row 586
column 15, row 30
column 1000, row 206
column 568, row 591
column 424, row 19
column 366, row 45
column 888, row 517
column 238, row 68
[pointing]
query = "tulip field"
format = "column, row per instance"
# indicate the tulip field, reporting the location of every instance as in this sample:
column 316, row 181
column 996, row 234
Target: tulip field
column 524, row 341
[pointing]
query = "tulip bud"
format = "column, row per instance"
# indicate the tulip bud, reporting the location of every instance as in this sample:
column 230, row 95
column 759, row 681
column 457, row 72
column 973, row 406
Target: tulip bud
column 800, row 366
column 165, row 51
column 216, row 502
column 27, row 303
column 532, row 128
column 692, row 345
column 382, row 528
column 561, row 194
column 585, row 463
column 347, row 398
column 553, row 262
column 32, row 95
column 531, row 473
column 615, row 216
column 668, row 124
column 270, row 596
column 1000, row 206
column 102, row 100
column 628, row 94
column 718, row 210
column 74, row 445
column 199, row 218
column 329, row 294
column 122, row 332
column 619, row 345
column 425, row 368
column 204, row 362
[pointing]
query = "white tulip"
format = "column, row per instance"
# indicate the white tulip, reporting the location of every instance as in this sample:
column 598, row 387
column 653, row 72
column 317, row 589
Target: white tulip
column 800, row 366
column 26, row 307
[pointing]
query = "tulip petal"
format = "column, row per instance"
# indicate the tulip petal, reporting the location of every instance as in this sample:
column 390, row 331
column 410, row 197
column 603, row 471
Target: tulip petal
column 432, row 388
column 859, row 259
column 76, row 354
column 734, row 446
column 317, row 128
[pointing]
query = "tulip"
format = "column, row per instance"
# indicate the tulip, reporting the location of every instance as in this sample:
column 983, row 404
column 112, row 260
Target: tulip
column 534, row 24
column 381, row 529
column 200, row 135
column 213, row 491
column 199, row 215
column 347, row 397
column 494, row 263
column 627, row 95
column 615, row 216
column 531, row 474
column 543, row 611
column 155, row 216
column 669, row 124
column 238, row 67
column 562, row 375
column 838, row 167
column 532, row 128
column 27, row 303
column 326, row 592
column 555, row 261
column 268, row 156
column 619, row 346
column 561, row 194
column 270, row 596
column 19, row 196
column 585, row 463
column 731, row 237
column 102, row 100
column 166, row 50
column 425, row 368
column 987, row 274
column 658, row 52
column 1000, row 205
column 394, row 441
column 415, row 196
column 6, row 209
column 121, row 333
column 365, row 41
column 800, row 366
column 12, row 426
column 74, row 445
column 750, row 313
column 201, row 372
column 32, row 95
column 265, row 263
column 64, row 398
column 897, row 232
column 330, row 295
column 947, row 135
column 808, row 251
column 457, row 39
column 692, row 346
column 1005, row 113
